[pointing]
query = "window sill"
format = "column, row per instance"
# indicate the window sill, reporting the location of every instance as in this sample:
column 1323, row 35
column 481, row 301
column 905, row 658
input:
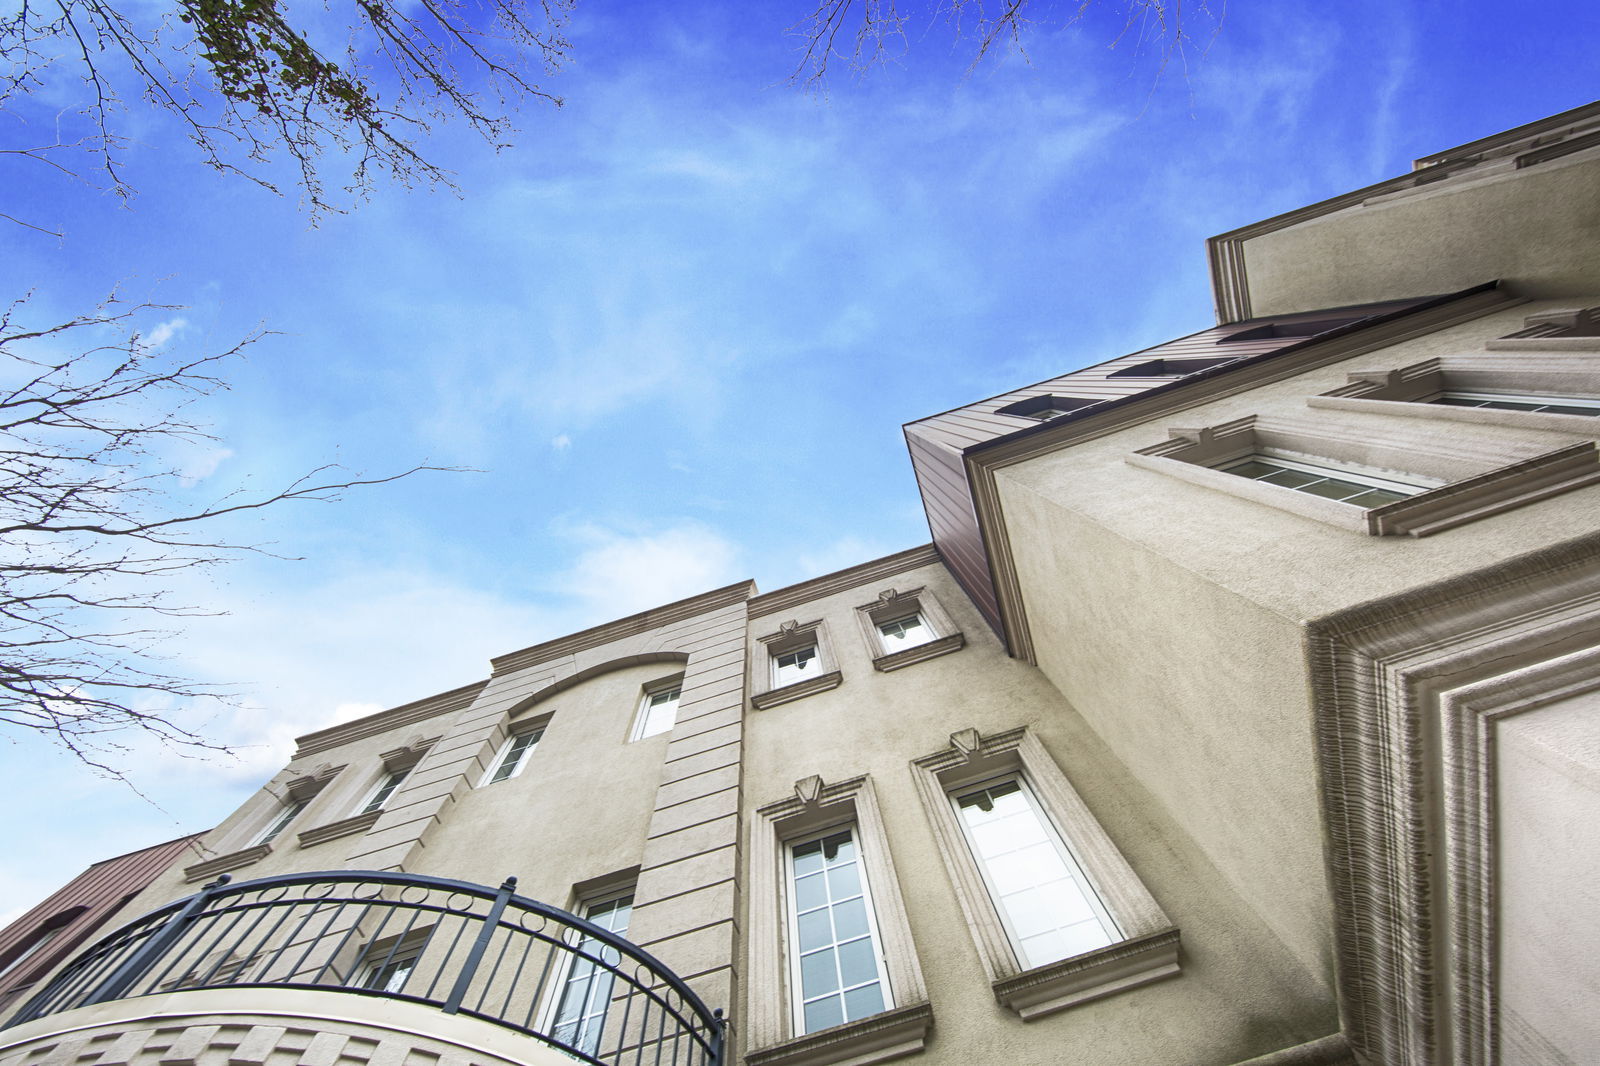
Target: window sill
column 1488, row 494
column 880, row 1038
column 1116, row 968
column 359, row 823
column 922, row 652
column 798, row 690
column 202, row 871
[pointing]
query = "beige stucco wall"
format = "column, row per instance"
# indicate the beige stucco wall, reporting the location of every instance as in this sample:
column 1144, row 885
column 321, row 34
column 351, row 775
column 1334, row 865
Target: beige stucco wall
column 551, row 825
column 261, row 1026
column 1240, row 993
column 1547, row 802
column 1170, row 615
column 1538, row 229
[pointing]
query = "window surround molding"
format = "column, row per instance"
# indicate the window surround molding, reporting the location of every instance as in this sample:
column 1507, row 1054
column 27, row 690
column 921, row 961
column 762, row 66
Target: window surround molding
column 1554, row 374
column 903, row 1029
column 1478, row 478
column 298, row 790
column 1149, row 950
column 892, row 604
column 792, row 636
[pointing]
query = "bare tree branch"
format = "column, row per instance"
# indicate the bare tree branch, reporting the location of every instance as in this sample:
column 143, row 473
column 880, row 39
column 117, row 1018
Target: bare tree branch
column 256, row 92
column 92, row 532
column 865, row 34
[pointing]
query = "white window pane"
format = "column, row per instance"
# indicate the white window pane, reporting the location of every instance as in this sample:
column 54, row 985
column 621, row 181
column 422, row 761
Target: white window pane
column 832, row 937
column 1043, row 900
column 658, row 712
column 792, row 666
column 905, row 632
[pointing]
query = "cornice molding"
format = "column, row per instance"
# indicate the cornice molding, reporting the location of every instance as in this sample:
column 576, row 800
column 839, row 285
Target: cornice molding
column 642, row 622
column 841, row 581
column 383, row 721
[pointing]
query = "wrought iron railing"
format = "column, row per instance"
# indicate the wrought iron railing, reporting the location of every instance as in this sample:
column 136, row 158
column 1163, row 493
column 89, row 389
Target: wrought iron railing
column 460, row 947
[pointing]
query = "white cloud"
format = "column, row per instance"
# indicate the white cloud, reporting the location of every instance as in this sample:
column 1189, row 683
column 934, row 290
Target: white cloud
column 561, row 442
column 620, row 573
column 164, row 332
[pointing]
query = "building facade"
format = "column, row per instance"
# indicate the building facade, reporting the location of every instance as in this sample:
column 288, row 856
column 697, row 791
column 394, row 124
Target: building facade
column 1244, row 709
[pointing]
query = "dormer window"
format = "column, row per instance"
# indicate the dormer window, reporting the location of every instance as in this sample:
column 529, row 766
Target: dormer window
column 1169, row 368
column 1044, row 408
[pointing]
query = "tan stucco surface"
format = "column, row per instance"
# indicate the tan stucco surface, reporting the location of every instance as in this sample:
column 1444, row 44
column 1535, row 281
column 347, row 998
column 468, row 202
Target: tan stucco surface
column 1538, row 229
column 1240, row 993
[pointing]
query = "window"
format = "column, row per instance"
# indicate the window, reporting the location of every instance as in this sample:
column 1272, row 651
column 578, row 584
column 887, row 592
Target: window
column 40, row 940
column 512, row 756
column 658, row 708
column 901, row 633
column 796, row 661
column 579, row 1015
column 1400, row 476
column 1346, row 486
column 1532, row 389
column 1045, row 902
column 1056, row 912
column 1169, row 368
column 390, row 975
column 834, row 975
column 837, row 972
column 385, row 789
column 1044, row 408
column 1555, row 405
column 902, row 628
column 286, row 814
column 801, row 664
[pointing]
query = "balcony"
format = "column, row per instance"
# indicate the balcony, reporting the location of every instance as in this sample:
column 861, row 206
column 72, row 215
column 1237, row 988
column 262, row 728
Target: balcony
column 436, row 945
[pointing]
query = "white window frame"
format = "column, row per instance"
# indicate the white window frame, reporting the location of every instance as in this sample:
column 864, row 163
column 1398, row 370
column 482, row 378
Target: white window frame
column 792, row 923
column 802, row 669
column 550, row 1012
column 1490, row 398
column 533, row 735
column 282, row 820
column 641, row 719
column 379, row 796
column 1331, row 470
column 1148, row 950
column 1052, row 833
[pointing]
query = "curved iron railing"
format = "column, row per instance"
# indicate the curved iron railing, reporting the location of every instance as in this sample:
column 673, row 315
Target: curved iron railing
column 461, row 947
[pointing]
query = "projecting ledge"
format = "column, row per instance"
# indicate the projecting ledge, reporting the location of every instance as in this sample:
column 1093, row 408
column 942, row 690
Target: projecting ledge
column 883, row 1037
column 252, row 1026
column 1046, row 989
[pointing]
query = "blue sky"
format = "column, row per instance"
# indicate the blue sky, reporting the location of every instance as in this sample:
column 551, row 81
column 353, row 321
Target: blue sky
column 676, row 327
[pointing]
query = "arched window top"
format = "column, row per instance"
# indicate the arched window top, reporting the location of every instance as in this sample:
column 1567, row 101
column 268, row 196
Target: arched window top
column 1044, row 408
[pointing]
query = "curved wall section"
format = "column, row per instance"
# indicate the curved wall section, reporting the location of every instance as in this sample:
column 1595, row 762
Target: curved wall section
column 266, row 1027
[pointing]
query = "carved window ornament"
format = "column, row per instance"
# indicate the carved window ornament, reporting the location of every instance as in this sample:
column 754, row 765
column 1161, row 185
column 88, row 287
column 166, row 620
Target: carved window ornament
column 904, row 628
column 810, row 811
column 1452, row 479
column 795, row 661
column 1146, row 947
